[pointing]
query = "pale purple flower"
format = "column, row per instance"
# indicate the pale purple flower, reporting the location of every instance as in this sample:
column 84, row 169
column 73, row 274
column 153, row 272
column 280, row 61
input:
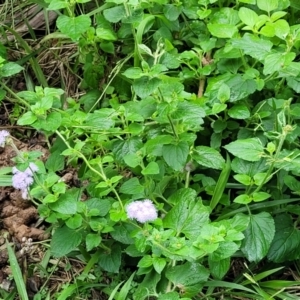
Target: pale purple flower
column 142, row 211
column 22, row 180
column 3, row 135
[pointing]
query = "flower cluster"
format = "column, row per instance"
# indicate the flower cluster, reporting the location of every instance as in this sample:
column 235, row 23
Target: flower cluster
column 143, row 211
column 3, row 135
column 22, row 180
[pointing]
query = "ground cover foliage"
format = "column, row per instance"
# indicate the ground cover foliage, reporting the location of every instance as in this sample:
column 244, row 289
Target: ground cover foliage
column 180, row 120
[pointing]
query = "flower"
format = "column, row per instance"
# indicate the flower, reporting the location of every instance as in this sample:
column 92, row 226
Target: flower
column 143, row 211
column 22, row 180
column 3, row 135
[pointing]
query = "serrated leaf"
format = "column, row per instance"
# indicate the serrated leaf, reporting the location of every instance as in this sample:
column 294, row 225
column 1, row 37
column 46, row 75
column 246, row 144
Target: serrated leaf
column 208, row 157
column 131, row 187
column 248, row 16
column 176, row 155
column 114, row 14
column 239, row 111
column 258, row 236
column 58, row 245
column 282, row 29
column 145, row 86
column 10, row 69
column 106, row 34
column 27, row 119
column 286, row 243
column 253, row 45
column 111, row 261
column 243, row 178
column 92, row 241
column 67, row 203
column 220, row 268
column 187, row 274
column 267, row 5
column 151, row 169
column 188, row 215
column 277, row 61
column 247, row 149
column 159, row 264
column 222, row 30
column 73, row 27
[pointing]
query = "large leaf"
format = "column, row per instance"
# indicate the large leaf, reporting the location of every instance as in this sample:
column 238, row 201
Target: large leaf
column 247, row 149
column 258, row 236
column 187, row 274
column 111, row 261
column 208, row 157
column 286, row 243
column 67, row 203
column 187, row 216
column 145, row 86
column 267, row 5
column 253, row 45
column 222, row 30
column 10, row 69
column 73, row 26
column 128, row 146
column 64, row 240
column 176, row 155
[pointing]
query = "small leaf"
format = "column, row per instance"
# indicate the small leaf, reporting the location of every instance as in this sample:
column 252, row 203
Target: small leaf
column 223, row 93
column 258, row 236
column 243, row 178
column 106, row 34
column 159, row 264
column 260, row 196
column 282, row 29
column 243, row 199
column 247, row 149
column 27, row 119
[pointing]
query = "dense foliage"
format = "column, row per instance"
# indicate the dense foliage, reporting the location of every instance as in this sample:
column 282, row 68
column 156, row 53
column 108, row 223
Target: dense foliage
column 190, row 104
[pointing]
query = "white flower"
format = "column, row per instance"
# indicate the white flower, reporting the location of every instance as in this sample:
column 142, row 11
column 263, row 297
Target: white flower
column 3, row 135
column 143, row 211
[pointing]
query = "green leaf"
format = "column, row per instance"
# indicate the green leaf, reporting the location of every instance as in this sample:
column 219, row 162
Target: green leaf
column 101, row 205
column 10, row 69
column 243, row 199
column 260, row 196
column 145, row 86
column 208, row 157
column 286, row 243
column 64, row 240
column 239, row 111
column 57, row 4
column 253, row 45
column 219, row 268
column 243, row 178
column 222, row 30
column 248, row 16
column 92, row 241
column 106, row 34
column 27, row 119
column 267, row 5
column 258, row 236
column 73, row 27
column 111, row 261
column 294, row 83
column 225, row 250
column 171, row 11
column 17, row 273
column 55, row 162
column 151, row 169
column 188, row 215
column 145, row 262
column 114, row 14
column 131, row 187
column 67, row 203
column 133, row 73
column 159, row 264
column 282, row 29
column 187, row 274
column 223, row 94
column 176, row 155
column 276, row 61
column 74, row 222
column 122, row 233
column 247, row 149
